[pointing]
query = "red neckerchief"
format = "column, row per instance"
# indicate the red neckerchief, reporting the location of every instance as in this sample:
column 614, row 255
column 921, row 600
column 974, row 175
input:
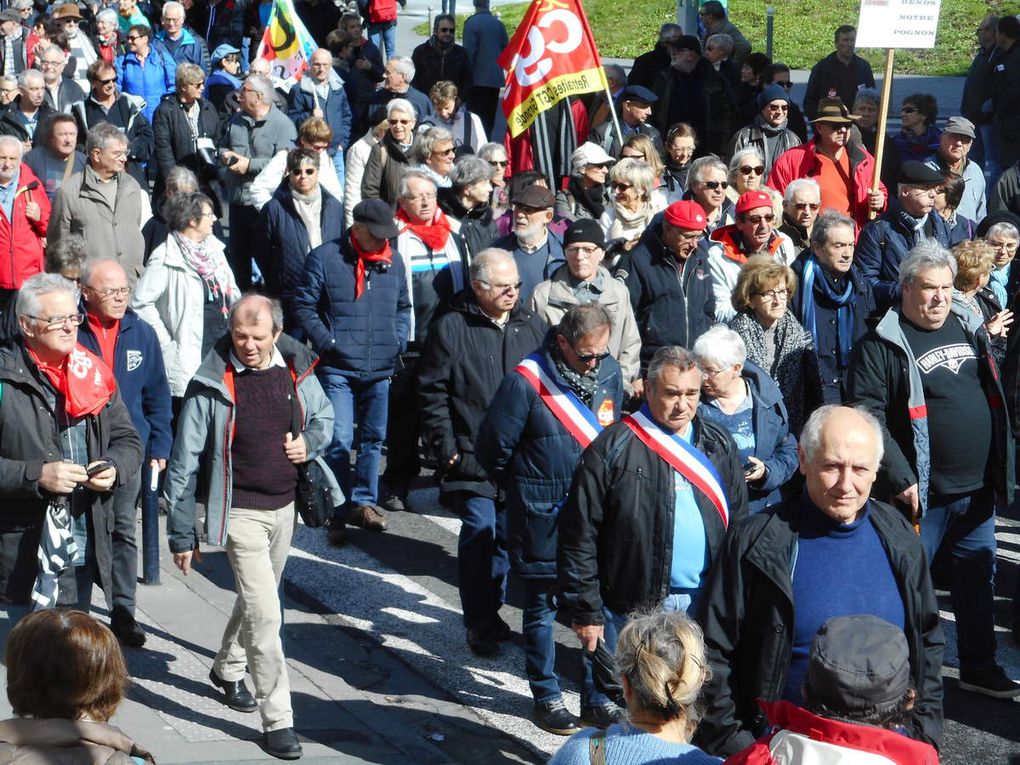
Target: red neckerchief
column 384, row 255
column 85, row 382
column 434, row 234
column 105, row 336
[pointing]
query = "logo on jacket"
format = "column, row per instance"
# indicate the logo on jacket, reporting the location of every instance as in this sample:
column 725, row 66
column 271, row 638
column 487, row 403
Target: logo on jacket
column 134, row 360
column 605, row 413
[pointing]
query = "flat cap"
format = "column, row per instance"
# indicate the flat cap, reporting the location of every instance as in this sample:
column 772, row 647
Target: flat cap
column 534, row 196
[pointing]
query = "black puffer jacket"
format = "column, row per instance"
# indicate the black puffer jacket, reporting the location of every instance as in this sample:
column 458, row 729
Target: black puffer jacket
column 464, row 361
column 616, row 527
column 176, row 144
column 747, row 611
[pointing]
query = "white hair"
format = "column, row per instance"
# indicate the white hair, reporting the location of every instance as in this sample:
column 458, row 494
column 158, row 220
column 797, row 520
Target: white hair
column 12, row 142
column 401, row 105
column 29, row 74
column 404, row 65
column 802, row 184
column 924, row 257
column 811, row 435
column 109, row 16
column 171, row 5
column 720, row 346
column 38, row 285
column 483, row 262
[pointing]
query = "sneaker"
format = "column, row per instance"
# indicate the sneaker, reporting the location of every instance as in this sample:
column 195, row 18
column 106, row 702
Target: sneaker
column 991, row 681
column 368, row 517
column 602, row 716
column 553, row 717
column 481, row 642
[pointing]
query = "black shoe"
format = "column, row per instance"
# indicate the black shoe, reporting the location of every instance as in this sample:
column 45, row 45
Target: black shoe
column 602, row 716
column 124, row 626
column 235, row 694
column 336, row 531
column 481, row 642
column 501, row 631
column 394, row 503
column 552, row 717
column 282, row 743
column 991, row 681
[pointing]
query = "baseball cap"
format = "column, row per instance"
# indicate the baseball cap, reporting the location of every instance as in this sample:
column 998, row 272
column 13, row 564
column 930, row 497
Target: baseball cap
column 749, row 200
column 589, row 154
column 222, row 51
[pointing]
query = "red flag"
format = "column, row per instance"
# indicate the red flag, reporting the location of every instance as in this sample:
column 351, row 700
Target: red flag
column 552, row 55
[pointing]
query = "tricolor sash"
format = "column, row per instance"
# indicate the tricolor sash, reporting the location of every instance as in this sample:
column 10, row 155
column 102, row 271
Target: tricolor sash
column 566, row 407
column 683, row 457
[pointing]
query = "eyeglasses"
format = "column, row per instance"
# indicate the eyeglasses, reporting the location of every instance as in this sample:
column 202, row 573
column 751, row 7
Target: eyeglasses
column 445, row 152
column 783, row 83
column 621, row 186
column 777, row 107
column 57, row 322
column 173, row 20
column 111, row 292
column 207, row 214
column 806, row 206
column 715, row 185
column 754, row 220
column 133, row 38
column 578, row 249
column 504, row 289
column 748, row 169
column 840, row 128
column 400, row 122
column 585, row 358
column 51, row 63
column 425, row 196
column 105, row 82
column 298, row 172
column 771, row 295
column 908, row 110
column 711, row 374
column 1007, row 246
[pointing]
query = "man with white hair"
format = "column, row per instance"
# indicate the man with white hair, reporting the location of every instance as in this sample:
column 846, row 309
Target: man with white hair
column 397, row 78
column 181, row 42
column 760, row 612
column 29, row 110
column 320, row 93
column 61, row 91
column 24, row 220
column 801, row 201
column 68, row 443
column 933, row 383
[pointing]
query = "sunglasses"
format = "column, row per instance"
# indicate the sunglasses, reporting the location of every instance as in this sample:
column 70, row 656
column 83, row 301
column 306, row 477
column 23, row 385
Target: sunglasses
column 806, row 206
column 783, row 83
column 400, row 122
column 754, row 220
column 133, row 38
column 715, row 185
column 447, row 29
column 505, row 289
column 303, row 171
column 777, row 107
column 621, row 186
column 106, row 81
column 446, row 152
column 757, row 169
column 498, row 162
column 908, row 110
column 585, row 358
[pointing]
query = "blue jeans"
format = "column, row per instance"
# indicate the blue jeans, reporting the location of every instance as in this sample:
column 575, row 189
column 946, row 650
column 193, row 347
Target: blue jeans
column 338, row 165
column 363, row 403
column 675, row 601
column 989, row 138
column 482, row 561
column 538, row 621
column 965, row 526
column 385, row 32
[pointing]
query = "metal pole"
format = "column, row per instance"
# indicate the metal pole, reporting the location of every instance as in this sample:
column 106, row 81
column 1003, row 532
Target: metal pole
column 150, row 524
column 883, row 115
column 770, row 17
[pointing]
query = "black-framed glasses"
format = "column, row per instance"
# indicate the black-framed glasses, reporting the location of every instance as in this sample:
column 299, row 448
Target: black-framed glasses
column 783, row 83
column 770, row 295
column 777, row 107
column 447, row 29
column 621, row 186
column 909, row 110
column 498, row 162
column 585, row 358
column 133, row 38
column 716, row 185
column 806, row 206
column 57, row 322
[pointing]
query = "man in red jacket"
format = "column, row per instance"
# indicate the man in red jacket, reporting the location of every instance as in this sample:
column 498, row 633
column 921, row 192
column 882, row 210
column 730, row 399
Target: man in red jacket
column 24, row 218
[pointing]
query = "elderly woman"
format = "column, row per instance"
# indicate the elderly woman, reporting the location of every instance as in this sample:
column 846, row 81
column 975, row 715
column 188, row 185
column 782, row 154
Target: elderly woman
column 433, row 154
column 747, row 173
column 634, row 204
column 356, row 160
column 708, row 188
column 947, row 198
column 1001, row 230
column 775, row 340
column 315, row 135
column 465, row 127
column 106, row 40
column 392, row 155
column 975, row 261
column 741, row 397
column 642, row 147
column 300, row 216
column 586, row 194
column 660, row 659
column 65, row 678
column 186, row 128
column 467, row 200
column 187, row 289
column 681, row 142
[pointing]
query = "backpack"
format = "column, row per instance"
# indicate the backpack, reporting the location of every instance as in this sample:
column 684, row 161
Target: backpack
column 382, row 11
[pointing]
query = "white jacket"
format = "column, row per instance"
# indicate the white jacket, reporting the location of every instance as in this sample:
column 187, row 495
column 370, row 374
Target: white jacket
column 170, row 296
column 357, row 158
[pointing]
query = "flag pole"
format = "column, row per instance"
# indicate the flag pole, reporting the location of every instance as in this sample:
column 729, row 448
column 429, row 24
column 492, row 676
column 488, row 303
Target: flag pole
column 883, row 115
column 612, row 111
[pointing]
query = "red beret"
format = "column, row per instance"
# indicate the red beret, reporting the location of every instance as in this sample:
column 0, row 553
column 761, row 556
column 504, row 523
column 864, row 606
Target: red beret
column 749, row 200
column 686, row 215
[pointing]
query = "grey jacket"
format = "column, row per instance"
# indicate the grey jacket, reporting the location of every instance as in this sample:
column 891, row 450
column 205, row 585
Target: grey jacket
column 260, row 141
column 207, row 415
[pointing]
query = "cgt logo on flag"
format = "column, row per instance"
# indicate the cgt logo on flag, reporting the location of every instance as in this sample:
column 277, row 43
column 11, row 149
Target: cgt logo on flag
column 552, row 55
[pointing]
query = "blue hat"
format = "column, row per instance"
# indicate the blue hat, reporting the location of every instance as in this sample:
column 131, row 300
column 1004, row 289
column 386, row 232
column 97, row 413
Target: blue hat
column 638, row 93
column 222, row 51
column 772, row 93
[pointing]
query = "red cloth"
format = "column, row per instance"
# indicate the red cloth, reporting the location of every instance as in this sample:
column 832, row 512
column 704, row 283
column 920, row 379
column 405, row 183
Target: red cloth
column 385, row 255
column 82, row 378
column 106, row 336
column 433, row 234
column 21, row 238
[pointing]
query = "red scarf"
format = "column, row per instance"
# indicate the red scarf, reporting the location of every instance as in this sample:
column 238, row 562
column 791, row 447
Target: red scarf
column 85, row 382
column 384, row 255
column 433, row 234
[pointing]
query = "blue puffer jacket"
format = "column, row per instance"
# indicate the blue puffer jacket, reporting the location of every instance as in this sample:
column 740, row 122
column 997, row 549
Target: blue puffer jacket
column 532, row 457
column 141, row 378
column 362, row 337
column 151, row 80
column 774, row 444
column 280, row 244
column 336, row 109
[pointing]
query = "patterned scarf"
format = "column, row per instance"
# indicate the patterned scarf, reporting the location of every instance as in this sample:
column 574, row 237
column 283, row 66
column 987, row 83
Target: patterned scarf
column 583, row 385
column 385, row 255
column 57, row 548
column 85, row 382
column 214, row 272
column 434, row 234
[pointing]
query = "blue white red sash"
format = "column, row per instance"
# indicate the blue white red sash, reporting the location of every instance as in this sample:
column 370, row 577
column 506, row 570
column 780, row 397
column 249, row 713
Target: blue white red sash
column 566, row 407
column 683, row 457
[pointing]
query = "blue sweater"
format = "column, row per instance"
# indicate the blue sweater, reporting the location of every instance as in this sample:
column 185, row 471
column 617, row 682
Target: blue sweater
column 631, row 746
column 840, row 570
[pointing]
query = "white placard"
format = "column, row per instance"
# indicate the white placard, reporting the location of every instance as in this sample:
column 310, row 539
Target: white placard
column 898, row 23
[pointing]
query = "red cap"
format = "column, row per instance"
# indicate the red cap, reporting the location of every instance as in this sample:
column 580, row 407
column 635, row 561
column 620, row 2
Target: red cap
column 752, row 199
column 686, row 215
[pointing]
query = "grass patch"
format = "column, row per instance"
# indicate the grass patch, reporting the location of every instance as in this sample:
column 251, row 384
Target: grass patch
column 803, row 30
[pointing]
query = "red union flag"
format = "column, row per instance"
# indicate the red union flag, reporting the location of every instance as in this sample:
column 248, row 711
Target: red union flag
column 552, row 55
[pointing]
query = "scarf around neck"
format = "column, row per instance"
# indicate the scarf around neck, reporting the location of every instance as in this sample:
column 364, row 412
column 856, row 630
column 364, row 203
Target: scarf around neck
column 583, row 385
column 434, row 234
column 384, row 255
column 214, row 272
column 85, row 382
column 814, row 278
column 593, row 200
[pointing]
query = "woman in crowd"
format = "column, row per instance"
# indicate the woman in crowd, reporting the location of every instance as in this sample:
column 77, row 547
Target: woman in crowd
column 315, row 134
column 947, row 199
column 106, row 41
column 180, row 180
column 145, row 70
column 586, row 194
column 775, row 340
column 634, row 204
column 681, row 143
column 642, row 147
column 752, row 82
column 392, row 155
column 1001, row 230
column 65, row 678
column 661, row 662
column 747, row 173
column 465, row 127
column 975, row 261
column 187, row 289
column 356, row 159
column 300, row 216
column 495, row 155
column 224, row 78
column 741, row 397
column 918, row 137
column 467, row 200
column 433, row 154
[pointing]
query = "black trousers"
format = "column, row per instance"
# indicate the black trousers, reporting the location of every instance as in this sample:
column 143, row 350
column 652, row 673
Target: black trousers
column 239, row 253
column 403, row 426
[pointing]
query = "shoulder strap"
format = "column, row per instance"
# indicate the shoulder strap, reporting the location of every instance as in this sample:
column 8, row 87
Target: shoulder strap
column 597, row 748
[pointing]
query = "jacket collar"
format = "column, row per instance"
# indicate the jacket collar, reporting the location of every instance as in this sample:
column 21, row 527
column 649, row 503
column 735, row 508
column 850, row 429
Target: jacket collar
column 299, row 359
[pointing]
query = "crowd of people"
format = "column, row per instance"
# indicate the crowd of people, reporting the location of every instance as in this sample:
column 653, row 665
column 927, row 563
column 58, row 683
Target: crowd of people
column 670, row 374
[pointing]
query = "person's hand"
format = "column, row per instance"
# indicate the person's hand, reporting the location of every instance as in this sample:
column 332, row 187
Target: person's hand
column 638, row 386
column 589, row 634
column 103, row 480
column 240, row 167
column 33, row 211
column 157, row 465
column 363, row 64
column 317, row 112
column 183, row 560
column 759, row 470
column 909, row 497
column 876, row 200
column 295, row 449
column 998, row 325
column 62, row 477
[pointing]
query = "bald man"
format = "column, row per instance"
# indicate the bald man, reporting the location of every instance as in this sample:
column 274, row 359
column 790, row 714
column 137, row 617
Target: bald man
column 321, row 94
column 854, row 555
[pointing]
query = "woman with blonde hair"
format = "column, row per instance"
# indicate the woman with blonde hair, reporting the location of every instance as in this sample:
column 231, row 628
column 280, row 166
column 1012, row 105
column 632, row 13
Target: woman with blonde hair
column 975, row 261
column 642, row 147
column 660, row 658
column 633, row 208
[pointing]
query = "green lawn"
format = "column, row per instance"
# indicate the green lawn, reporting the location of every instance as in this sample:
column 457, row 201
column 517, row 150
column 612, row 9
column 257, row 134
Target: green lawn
column 803, row 30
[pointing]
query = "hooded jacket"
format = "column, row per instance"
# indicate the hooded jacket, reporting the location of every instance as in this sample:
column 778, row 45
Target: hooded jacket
column 56, row 741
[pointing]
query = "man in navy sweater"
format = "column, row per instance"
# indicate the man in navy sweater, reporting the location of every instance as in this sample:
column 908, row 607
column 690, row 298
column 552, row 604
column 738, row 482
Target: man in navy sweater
column 131, row 349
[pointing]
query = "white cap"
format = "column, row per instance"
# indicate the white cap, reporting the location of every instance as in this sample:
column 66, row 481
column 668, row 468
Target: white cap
column 588, row 154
